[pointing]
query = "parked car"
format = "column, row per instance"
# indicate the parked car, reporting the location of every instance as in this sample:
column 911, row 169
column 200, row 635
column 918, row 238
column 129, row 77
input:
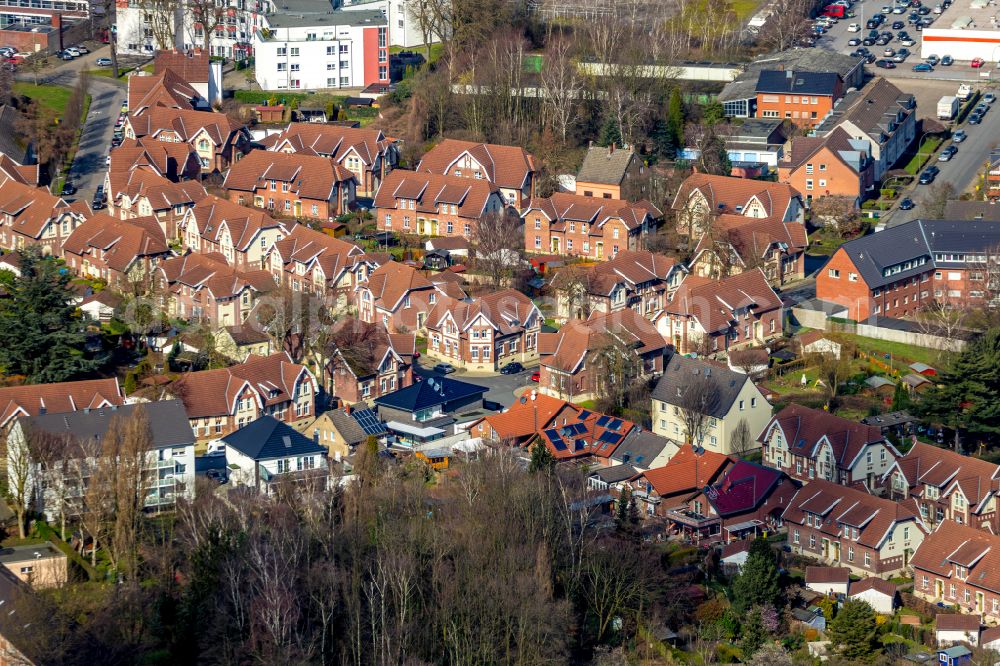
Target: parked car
column 217, row 475
column 216, row 448
column 69, row 187
column 975, row 119
column 885, row 64
column 81, row 48
column 908, row 42
column 901, row 55
column 959, row 136
column 888, row 53
column 854, row 27
column 64, row 55
column 947, row 60
column 536, row 376
column 977, row 62
column 898, row 25
column 103, row 62
column 73, row 51
column 853, row 41
column 947, row 153
column 444, row 368
column 928, row 175
column 512, row 368
column 932, row 60
column 989, row 98
column 907, row 204
column 923, row 67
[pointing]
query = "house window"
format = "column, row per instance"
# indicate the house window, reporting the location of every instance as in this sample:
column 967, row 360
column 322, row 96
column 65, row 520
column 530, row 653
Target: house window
column 812, row 540
column 850, row 554
column 833, row 272
column 868, row 559
column 741, row 405
column 809, row 184
column 795, row 536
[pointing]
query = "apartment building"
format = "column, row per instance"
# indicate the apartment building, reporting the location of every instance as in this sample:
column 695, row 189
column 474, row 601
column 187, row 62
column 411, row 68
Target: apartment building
column 32, row 216
column 702, row 197
column 369, row 361
column 59, row 397
column 141, row 192
column 218, row 140
column 242, row 235
column 804, row 98
column 511, row 168
column 204, row 288
column 958, row 565
column 587, row 227
column 141, row 32
column 832, row 165
column 322, row 50
column 430, row 204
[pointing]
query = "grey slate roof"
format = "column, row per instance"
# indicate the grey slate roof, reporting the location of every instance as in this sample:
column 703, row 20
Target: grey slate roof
column 428, row 393
column 872, row 109
column 602, row 165
column 307, row 17
column 682, row 371
column 615, row 473
column 802, row 83
column 972, row 210
column 805, row 60
column 347, row 427
column 640, row 448
column 167, row 420
column 268, row 438
column 914, row 242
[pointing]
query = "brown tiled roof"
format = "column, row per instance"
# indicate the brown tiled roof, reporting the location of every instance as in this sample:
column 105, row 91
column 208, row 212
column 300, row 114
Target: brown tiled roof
column 827, row 575
column 35, row 399
column 213, row 214
column 334, row 141
column 925, row 464
column 191, row 65
column 10, row 168
column 753, row 237
column 687, row 471
column 214, row 392
column 957, row 622
column 186, row 123
column 430, row 190
column 565, row 349
column 804, row 429
column 873, row 583
column 520, row 419
column 579, row 433
column 162, row 194
column 363, row 346
column 838, row 505
column 211, row 272
column 562, row 208
column 508, row 310
column 162, row 90
column 119, row 242
column 714, row 302
column 308, row 246
column 164, row 157
column 390, row 282
column 804, row 147
column 32, row 207
column 966, row 546
column 734, row 548
column 725, row 193
column 505, row 166
column 312, row 177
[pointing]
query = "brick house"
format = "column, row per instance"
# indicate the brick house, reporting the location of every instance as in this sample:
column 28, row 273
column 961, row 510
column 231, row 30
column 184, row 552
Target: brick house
column 311, row 261
column 636, row 279
column 946, row 485
column 173, row 160
column 291, row 185
column 218, row 140
column 221, row 401
column 366, row 153
column 958, row 565
column 57, row 398
column 200, row 287
column 897, row 271
column 833, row 165
column 33, row 216
column 606, row 172
column 813, row 443
column 582, row 435
column 702, row 197
column 511, row 168
column 881, row 113
column 719, row 315
column 677, row 484
column 804, row 98
column 142, row 193
column 397, row 296
column 578, row 226
column 745, row 502
column 431, row 204
column 165, row 90
column 844, row 526
column 242, row 235
column 734, row 244
column 369, row 361
column 120, row 252
column 486, row 334
column 530, row 414
column 570, row 358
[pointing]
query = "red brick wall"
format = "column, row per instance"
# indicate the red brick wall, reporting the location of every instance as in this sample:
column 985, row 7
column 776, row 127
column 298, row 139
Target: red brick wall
column 325, row 209
column 394, row 219
column 839, row 179
column 854, row 295
column 792, row 108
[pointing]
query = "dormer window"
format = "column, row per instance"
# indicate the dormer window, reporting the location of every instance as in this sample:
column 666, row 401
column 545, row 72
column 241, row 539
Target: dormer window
column 961, row 572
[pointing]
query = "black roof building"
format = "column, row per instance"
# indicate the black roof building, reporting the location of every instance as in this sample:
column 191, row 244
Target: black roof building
column 797, row 83
column 270, row 439
column 433, row 392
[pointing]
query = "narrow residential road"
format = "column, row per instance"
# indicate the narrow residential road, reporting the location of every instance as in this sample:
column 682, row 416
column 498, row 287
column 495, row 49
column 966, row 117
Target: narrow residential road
column 107, row 96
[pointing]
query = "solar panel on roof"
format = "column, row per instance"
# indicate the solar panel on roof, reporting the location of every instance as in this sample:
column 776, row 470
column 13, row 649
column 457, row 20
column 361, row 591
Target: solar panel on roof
column 559, row 445
column 603, row 421
column 614, row 425
column 610, row 437
column 368, row 421
column 552, row 433
column 580, row 444
column 584, row 415
column 578, row 428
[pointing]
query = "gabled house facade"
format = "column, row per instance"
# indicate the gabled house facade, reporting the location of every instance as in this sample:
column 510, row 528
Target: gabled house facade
column 369, row 361
column 218, row 140
column 173, row 160
column 221, row 401
column 510, row 168
column 59, row 397
column 242, row 235
column 702, row 196
column 311, row 261
column 833, row 165
column 588, row 227
column 267, row 452
column 678, row 484
column 845, row 526
column 945, row 485
column 431, row 204
column 804, row 98
column 291, row 185
column 735, row 244
column 486, row 334
column 958, row 565
column 708, row 316
column 201, row 287
column 396, row 296
column 120, row 252
column 575, row 360
column 810, row 444
column 726, row 398
column 607, row 173
column 32, row 216
column 636, row 279
column 143, row 193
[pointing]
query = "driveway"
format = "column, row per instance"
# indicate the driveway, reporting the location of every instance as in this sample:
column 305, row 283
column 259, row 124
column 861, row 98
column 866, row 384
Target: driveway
column 501, row 387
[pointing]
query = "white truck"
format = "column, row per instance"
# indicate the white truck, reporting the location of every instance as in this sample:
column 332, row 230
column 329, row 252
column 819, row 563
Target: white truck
column 947, row 107
column 964, row 92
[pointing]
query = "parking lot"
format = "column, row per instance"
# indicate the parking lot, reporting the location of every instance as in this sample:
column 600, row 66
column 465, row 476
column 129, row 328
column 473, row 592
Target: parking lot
column 501, row 387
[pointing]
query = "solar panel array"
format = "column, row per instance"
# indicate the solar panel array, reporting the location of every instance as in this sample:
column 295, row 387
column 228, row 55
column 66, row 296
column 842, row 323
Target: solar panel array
column 603, row 420
column 614, row 425
column 610, row 437
column 368, row 421
column 584, row 415
column 556, row 440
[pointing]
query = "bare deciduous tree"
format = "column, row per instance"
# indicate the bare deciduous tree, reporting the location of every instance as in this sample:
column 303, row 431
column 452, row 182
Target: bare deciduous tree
column 561, row 85
column 498, row 240
column 695, row 398
column 741, row 442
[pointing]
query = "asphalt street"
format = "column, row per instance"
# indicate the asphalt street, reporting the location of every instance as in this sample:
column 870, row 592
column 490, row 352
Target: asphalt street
column 501, row 387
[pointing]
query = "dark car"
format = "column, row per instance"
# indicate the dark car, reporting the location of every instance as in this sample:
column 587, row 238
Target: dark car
column 444, row 368
column 947, row 153
column 512, row 368
column 923, row 67
column 907, row 204
column 868, row 41
column 871, row 24
column 885, row 64
column 882, row 41
column 981, row 108
column 975, row 119
column 928, row 176
column 853, row 41
column 69, row 188
column 898, row 25
column 959, row 136
column 947, row 60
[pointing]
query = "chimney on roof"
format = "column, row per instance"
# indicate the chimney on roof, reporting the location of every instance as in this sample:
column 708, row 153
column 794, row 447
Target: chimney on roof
column 611, row 148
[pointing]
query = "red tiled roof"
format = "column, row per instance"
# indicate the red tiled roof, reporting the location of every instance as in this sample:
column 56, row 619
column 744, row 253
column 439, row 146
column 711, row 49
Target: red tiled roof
column 565, row 349
column 872, row 583
column 686, row 471
column 212, row 214
column 34, row 399
column 431, row 190
column 753, row 237
column 117, row 242
column 925, row 464
column 578, row 433
column 804, row 429
column 742, row 488
column 506, row 166
column 953, row 544
column 162, row 194
column 313, row 177
column 162, row 90
column 334, row 141
column 827, row 575
column 186, row 123
column 714, row 302
column 32, row 207
column 562, row 208
column 527, row 416
column 957, row 622
column 191, row 65
column 725, row 193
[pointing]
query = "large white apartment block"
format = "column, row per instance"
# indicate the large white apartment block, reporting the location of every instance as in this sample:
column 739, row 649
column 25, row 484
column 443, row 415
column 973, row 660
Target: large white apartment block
column 314, row 51
column 143, row 29
column 404, row 28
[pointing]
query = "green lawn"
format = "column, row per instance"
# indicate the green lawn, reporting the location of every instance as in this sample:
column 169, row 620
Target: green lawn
column 902, row 354
column 926, row 152
column 744, row 9
column 50, row 97
column 437, row 50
